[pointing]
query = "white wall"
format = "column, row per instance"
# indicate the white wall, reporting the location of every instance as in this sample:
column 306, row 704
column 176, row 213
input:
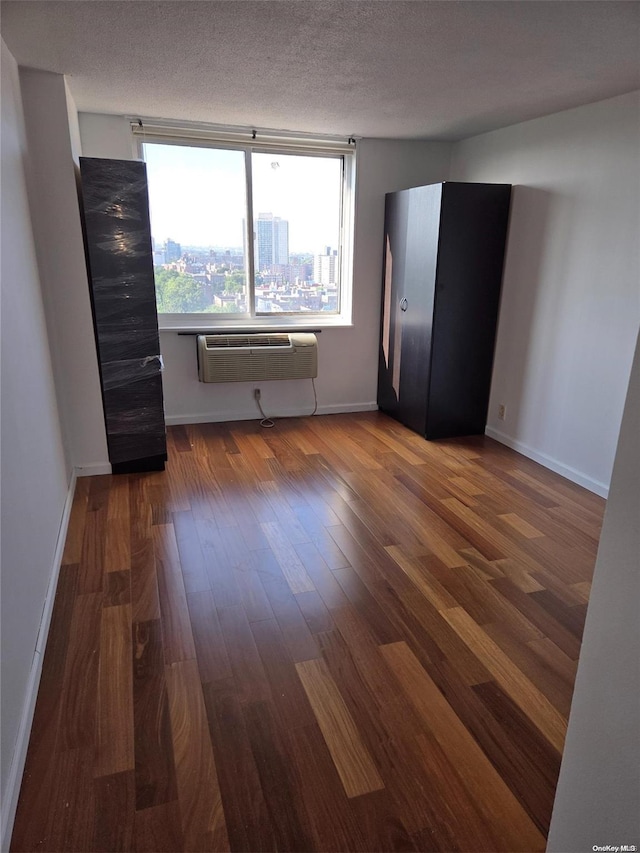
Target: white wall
column 571, row 297
column 56, row 223
column 35, row 474
column 106, row 136
column 598, row 796
column 74, row 124
column 348, row 357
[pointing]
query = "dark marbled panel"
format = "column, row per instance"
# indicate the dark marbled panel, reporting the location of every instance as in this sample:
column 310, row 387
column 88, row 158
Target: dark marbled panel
column 134, row 373
column 118, row 241
column 134, row 291
column 135, row 423
column 127, row 448
column 114, row 344
column 116, row 214
column 112, row 188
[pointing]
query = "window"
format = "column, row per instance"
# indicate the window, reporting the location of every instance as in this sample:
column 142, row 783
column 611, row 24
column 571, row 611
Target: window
column 246, row 230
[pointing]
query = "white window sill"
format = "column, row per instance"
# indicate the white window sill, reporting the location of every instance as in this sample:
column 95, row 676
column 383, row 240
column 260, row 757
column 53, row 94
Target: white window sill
column 254, row 323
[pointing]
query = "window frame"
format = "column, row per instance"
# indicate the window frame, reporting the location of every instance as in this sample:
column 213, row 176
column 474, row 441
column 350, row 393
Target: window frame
column 252, row 141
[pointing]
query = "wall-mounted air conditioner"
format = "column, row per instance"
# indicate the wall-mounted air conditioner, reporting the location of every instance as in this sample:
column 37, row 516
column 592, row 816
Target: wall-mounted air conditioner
column 252, row 358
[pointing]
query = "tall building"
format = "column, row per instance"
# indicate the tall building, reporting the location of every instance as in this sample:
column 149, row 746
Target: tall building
column 325, row 267
column 272, row 241
column 172, row 251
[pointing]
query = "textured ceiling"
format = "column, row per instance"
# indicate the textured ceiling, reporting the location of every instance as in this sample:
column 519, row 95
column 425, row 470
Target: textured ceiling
column 385, row 68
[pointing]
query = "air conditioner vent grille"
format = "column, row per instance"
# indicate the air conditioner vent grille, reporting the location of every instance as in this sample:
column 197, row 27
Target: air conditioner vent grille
column 251, row 358
column 250, row 341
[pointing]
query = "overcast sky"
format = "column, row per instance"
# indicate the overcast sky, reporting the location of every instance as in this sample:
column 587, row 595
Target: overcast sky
column 197, row 196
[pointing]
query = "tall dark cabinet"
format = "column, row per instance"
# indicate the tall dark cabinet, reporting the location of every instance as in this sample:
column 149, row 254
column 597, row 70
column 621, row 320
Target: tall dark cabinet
column 443, row 259
column 115, row 210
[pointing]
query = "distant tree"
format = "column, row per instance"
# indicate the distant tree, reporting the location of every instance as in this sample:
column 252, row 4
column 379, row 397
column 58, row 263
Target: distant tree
column 177, row 293
column 234, row 282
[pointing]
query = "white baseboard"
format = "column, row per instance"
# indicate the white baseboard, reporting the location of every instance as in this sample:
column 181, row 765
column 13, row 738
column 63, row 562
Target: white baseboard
column 344, row 408
column 91, row 470
column 565, row 471
column 26, row 718
column 222, row 417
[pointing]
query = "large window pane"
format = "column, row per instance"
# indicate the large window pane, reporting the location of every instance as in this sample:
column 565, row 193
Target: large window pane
column 197, row 199
column 296, row 223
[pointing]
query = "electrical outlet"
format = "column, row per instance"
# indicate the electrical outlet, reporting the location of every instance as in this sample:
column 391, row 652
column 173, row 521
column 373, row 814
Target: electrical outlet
column 256, row 393
column 502, row 411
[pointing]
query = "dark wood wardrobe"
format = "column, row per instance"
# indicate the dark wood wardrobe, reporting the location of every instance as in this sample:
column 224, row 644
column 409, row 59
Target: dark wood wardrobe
column 443, row 259
column 115, row 211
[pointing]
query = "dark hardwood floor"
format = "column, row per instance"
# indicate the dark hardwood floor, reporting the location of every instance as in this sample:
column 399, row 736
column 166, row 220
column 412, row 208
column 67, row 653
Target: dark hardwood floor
column 331, row 635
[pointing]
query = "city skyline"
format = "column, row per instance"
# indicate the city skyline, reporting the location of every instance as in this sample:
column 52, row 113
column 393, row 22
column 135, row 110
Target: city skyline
column 216, row 281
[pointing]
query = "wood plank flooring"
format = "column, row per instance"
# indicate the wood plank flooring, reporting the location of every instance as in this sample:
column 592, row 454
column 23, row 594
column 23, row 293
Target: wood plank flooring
column 328, row 636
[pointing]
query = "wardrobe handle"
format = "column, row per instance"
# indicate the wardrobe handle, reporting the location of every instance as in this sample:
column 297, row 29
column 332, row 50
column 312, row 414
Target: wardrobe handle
column 404, row 304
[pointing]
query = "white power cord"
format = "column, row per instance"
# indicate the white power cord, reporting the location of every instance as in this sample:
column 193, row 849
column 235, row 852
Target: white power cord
column 267, row 422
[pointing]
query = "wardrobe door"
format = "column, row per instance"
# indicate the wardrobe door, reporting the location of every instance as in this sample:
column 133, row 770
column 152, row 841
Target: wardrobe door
column 473, row 233
column 119, row 261
column 415, row 303
column 411, row 238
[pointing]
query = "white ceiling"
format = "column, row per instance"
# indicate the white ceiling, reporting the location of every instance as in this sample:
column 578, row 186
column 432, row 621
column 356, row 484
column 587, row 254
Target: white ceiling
column 382, row 68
